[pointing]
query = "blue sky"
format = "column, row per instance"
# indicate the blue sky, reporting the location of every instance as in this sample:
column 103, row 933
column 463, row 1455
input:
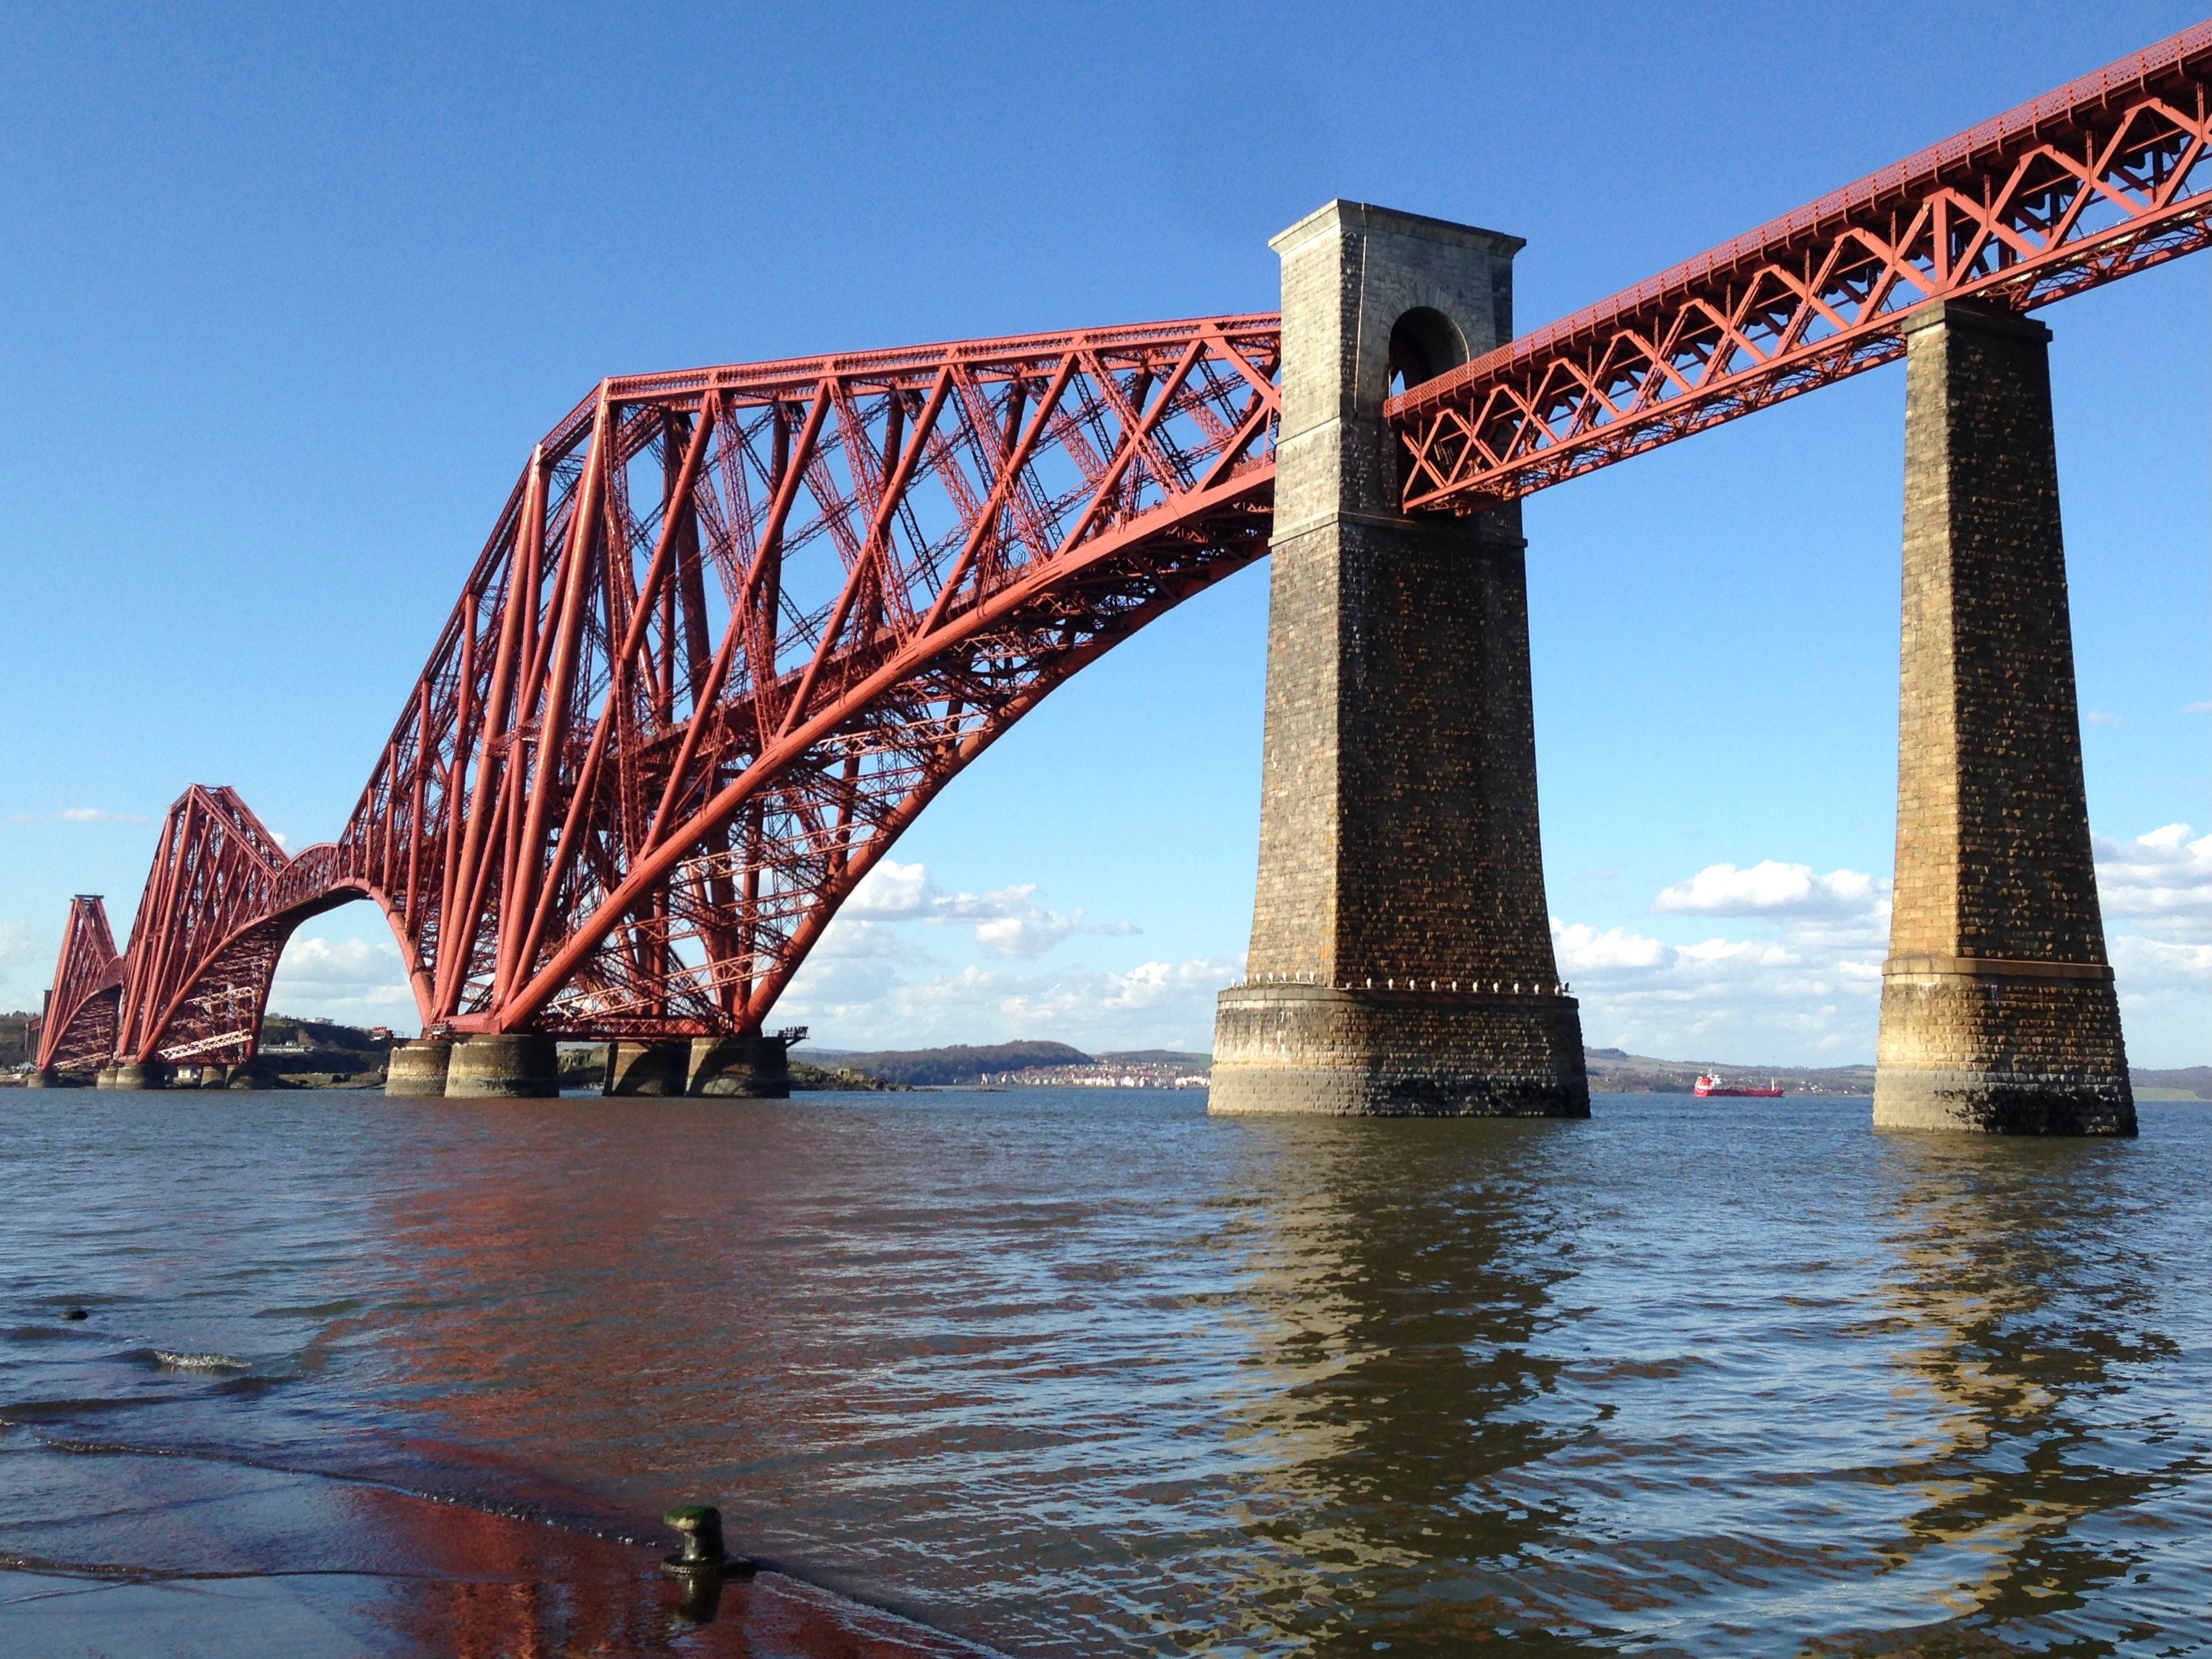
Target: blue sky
column 287, row 296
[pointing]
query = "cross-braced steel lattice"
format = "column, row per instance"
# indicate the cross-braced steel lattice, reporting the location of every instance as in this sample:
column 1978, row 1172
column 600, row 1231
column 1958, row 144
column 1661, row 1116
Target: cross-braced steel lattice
column 2095, row 181
column 77, row 1026
column 736, row 627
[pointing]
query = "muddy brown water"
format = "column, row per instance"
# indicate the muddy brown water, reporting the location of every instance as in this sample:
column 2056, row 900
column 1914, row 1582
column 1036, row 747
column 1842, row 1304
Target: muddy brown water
column 1080, row 1372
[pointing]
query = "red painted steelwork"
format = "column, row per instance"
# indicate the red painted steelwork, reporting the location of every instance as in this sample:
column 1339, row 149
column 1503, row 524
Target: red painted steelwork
column 220, row 903
column 76, row 1029
column 736, row 627
column 2092, row 182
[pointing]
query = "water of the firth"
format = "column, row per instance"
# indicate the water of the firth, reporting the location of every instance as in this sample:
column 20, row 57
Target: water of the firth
column 1083, row 1372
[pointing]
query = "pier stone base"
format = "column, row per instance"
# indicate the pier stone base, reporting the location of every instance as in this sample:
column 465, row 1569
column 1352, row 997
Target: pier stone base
column 753, row 1066
column 141, row 1074
column 647, row 1068
column 1311, row 1048
column 1397, row 825
column 504, row 1066
column 1998, row 1012
column 416, row 1070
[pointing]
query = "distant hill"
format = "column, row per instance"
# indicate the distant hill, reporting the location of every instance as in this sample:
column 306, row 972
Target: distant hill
column 1616, row 1072
column 15, row 1039
column 923, row 1068
column 2184, row 1082
column 284, row 1032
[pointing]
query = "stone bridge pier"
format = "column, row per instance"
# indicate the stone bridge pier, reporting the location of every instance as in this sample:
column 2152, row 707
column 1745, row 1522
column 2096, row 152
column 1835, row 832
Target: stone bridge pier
column 1997, row 1007
column 1401, row 957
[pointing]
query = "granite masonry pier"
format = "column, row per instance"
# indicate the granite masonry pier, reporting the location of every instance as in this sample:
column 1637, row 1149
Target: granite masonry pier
column 526, row 1065
column 753, row 1067
column 1401, row 957
column 1998, row 1012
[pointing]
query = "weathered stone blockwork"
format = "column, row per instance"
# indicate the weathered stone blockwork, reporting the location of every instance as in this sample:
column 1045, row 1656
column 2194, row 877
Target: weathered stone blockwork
column 1998, row 1011
column 1397, row 1053
column 1398, row 833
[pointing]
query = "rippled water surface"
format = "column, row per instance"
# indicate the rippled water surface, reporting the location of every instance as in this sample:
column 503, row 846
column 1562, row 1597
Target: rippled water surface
column 1081, row 1372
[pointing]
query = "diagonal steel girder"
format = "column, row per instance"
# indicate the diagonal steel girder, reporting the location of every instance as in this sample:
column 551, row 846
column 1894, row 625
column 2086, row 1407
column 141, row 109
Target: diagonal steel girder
column 2107, row 176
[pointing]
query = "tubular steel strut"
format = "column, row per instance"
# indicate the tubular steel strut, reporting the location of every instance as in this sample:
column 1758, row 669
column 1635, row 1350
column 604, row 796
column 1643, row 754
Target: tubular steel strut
column 736, row 627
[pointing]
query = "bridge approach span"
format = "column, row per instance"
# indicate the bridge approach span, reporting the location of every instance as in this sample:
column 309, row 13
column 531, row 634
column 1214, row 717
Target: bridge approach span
column 735, row 627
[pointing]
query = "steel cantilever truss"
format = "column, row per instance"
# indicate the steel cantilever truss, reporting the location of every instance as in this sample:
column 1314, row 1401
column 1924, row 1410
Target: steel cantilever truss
column 76, row 1029
column 220, row 903
column 736, row 627
column 2092, row 182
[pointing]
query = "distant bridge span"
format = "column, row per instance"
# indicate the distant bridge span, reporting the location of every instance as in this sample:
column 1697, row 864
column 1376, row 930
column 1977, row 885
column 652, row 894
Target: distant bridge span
column 736, row 627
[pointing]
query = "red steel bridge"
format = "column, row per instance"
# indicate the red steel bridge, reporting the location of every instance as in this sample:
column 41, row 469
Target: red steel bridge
column 734, row 628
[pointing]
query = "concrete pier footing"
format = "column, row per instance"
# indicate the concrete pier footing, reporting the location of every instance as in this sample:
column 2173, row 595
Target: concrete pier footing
column 1998, row 1012
column 647, row 1068
column 754, row 1066
column 49, row 1078
column 416, row 1070
column 1401, row 957
column 140, row 1074
column 503, row 1065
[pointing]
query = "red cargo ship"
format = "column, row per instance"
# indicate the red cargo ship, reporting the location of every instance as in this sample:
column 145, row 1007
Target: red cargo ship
column 1709, row 1083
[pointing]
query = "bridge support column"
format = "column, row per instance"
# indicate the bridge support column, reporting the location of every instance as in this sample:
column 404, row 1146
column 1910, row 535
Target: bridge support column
column 134, row 1074
column 1998, row 1008
column 752, row 1066
column 504, row 1066
column 1401, row 957
column 416, row 1070
column 647, row 1068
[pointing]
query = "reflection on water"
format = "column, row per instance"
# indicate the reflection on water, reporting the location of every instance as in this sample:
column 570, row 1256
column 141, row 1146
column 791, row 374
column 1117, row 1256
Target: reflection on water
column 2038, row 1462
column 1073, row 1375
column 1398, row 1286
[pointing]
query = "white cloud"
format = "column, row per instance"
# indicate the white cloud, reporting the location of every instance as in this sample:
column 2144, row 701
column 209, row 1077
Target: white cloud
column 1583, row 949
column 1008, row 920
column 1808, row 990
column 79, row 815
column 890, row 892
column 2162, row 881
column 1771, row 888
column 1155, row 1004
column 355, row 980
column 1030, row 933
column 2106, row 717
column 873, row 980
column 1811, row 994
column 17, row 965
column 2148, row 967
column 1806, row 980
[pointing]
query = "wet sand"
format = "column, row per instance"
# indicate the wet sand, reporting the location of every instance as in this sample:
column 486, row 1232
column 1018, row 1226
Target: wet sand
column 133, row 1553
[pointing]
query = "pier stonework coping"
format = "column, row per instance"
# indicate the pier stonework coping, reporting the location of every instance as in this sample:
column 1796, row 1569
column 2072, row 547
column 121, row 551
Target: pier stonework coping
column 1398, row 821
column 416, row 1070
column 751, row 1065
column 504, row 1066
column 647, row 1068
column 133, row 1074
column 1998, row 1012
